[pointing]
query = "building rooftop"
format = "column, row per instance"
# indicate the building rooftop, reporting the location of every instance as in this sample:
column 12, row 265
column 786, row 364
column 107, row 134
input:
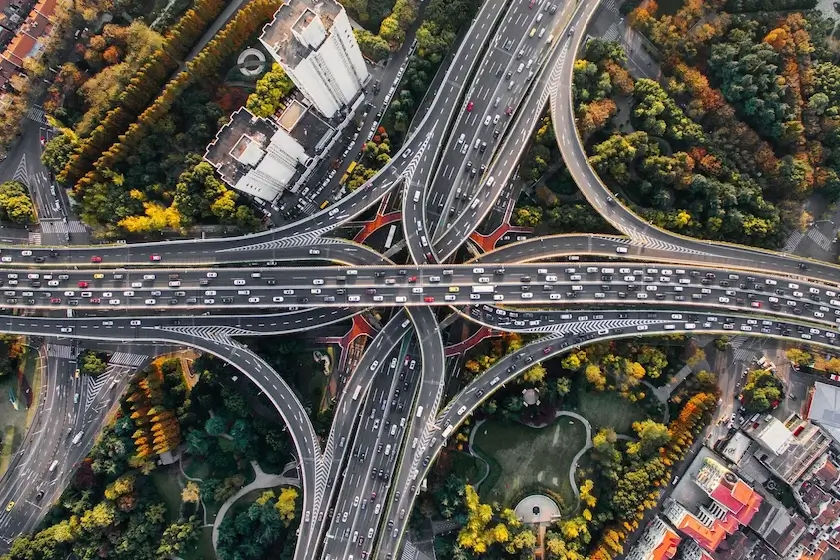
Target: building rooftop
column 305, row 126
column 737, row 447
column 825, row 408
column 806, row 443
column 299, row 27
column 725, row 488
column 658, row 542
column 780, row 528
column 239, row 145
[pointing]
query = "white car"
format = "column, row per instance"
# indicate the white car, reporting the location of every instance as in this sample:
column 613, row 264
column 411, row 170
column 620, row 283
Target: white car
column 451, row 297
column 253, row 300
column 238, row 282
column 66, row 329
column 6, row 258
column 277, row 299
column 554, row 296
column 151, row 301
column 527, row 295
column 113, row 302
column 26, row 253
column 211, row 275
column 318, row 282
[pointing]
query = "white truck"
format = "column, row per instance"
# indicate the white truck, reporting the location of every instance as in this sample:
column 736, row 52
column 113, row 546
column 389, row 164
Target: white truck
column 484, row 289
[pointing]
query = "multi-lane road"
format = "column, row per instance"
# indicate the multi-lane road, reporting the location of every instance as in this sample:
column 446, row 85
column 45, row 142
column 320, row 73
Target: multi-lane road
column 360, row 483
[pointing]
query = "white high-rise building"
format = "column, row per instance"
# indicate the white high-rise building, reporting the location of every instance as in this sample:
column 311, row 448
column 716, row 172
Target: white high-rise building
column 314, row 43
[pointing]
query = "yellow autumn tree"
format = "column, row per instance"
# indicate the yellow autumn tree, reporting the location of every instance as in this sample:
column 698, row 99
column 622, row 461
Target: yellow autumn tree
column 286, row 505
column 156, row 218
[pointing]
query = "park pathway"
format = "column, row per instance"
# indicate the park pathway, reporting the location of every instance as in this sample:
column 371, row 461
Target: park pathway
column 262, row 480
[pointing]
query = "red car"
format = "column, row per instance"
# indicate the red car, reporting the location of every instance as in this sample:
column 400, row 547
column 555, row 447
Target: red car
column 469, row 106
column 509, row 110
column 756, row 304
column 531, row 5
column 55, row 300
column 429, row 299
column 95, row 300
column 96, row 259
column 155, row 258
column 547, row 350
column 83, row 284
column 412, row 279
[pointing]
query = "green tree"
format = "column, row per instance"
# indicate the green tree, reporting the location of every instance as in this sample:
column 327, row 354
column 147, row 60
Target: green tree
column 179, row 537
column 57, row 152
column 92, row 364
column 270, row 92
column 15, row 204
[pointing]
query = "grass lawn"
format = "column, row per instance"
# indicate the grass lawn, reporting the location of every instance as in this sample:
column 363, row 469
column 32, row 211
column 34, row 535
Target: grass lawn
column 609, row 409
column 167, row 485
column 14, row 422
column 204, row 548
column 197, row 469
column 521, row 456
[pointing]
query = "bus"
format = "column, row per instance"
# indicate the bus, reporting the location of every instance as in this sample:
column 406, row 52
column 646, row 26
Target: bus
column 357, row 392
column 347, row 173
column 390, row 240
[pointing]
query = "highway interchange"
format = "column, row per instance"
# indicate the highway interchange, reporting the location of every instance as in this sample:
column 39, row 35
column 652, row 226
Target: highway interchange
column 574, row 288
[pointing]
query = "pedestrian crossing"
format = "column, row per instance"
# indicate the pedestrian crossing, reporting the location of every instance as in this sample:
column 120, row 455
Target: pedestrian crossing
column 611, row 34
column 126, row 359
column 819, row 238
column 73, row 226
column 743, row 354
column 793, row 242
column 34, row 238
column 611, row 5
column 58, row 351
column 37, row 114
column 409, row 552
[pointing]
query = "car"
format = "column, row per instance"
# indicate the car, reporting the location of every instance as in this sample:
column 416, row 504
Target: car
column 531, row 3
column 154, row 258
column 39, row 495
column 547, row 350
column 6, row 258
column 66, row 329
column 96, row 259
column 469, row 106
column 83, row 284
column 430, row 299
column 26, row 253
column 10, row 505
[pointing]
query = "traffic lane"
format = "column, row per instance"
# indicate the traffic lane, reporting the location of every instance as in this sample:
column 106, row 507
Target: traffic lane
column 573, row 292
column 374, row 276
column 372, row 431
column 350, row 404
column 511, row 45
column 493, row 98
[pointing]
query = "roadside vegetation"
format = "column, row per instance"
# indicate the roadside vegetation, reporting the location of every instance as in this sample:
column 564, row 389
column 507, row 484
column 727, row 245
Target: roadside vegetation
column 618, row 479
column 739, row 130
column 121, row 504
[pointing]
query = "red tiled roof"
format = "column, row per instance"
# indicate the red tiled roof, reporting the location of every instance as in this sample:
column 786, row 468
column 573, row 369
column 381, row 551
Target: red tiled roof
column 707, row 537
column 667, row 547
column 46, row 7
column 827, row 473
column 20, row 48
column 740, row 499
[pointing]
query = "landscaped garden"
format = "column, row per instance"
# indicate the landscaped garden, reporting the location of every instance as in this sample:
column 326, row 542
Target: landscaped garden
column 520, row 456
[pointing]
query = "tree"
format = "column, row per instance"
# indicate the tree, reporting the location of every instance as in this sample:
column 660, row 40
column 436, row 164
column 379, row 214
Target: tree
column 534, row 374
column 190, row 493
column 372, row 46
column 595, row 376
column 215, row 425
column 286, row 505
column 270, row 92
column 57, row 151
column 179, row 538
column 15, row 204
column 799, row 357
column 92, row 364
column 652, row 436
column 761, row 390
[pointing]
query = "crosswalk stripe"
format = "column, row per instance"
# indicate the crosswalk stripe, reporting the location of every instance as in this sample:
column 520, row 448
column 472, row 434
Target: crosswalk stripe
column 37, row 114
column 793, row 242
column 58, row 351
column 819, row 238
column 73, row 226
column 34, row 238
